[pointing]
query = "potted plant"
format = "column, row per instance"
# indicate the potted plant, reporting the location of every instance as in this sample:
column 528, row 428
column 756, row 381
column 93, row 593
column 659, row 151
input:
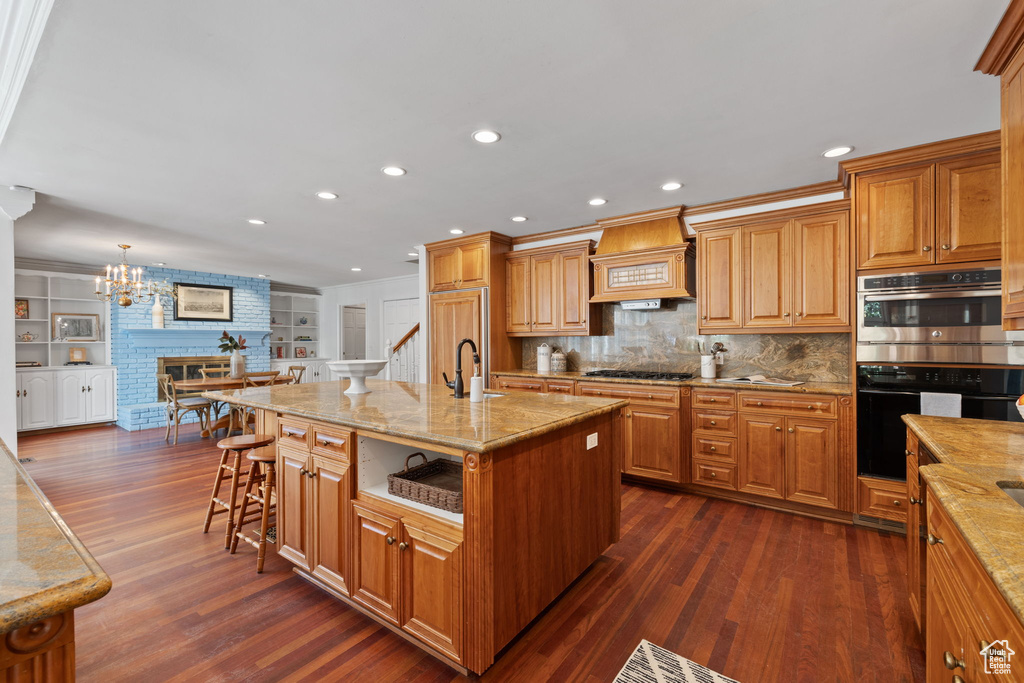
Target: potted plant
column 228, row 343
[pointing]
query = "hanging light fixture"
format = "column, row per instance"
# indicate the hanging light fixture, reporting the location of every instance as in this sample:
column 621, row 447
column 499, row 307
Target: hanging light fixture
column 124, row 284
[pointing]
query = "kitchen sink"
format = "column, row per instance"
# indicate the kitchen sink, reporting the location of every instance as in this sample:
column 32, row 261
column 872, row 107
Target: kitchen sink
column 1014, row 489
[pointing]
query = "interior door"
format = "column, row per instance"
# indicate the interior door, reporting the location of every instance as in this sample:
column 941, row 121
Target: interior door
column 354, row 332
column 454, row 316
column 375, row 561
column 767, row 264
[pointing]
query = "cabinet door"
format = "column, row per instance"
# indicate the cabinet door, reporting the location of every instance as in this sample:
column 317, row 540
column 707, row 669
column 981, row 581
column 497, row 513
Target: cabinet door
column 453, row 317
column 760, row 458
column 915, row 544
column 1012, row 150
column 292, row 506
column 719, row 295
column 944, row 632
column 653, row 443
column 810, row 464
column 894, row 211
column 473, row 265
column 432, row 589
column 99, row 396
column 375, row 561
column 37, row 405
column 969, row 218
column 70, row 387
column 544, row 295
column 821, row 248
column 517, row 295
column 444, row 268
column 767, row 273
column 574, row 291
column 332, row 493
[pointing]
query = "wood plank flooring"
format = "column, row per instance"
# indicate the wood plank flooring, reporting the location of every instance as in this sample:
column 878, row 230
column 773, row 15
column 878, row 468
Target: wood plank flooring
column 755, row 594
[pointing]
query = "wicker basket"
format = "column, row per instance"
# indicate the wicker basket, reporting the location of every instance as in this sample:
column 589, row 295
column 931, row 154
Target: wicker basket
column 437, row 483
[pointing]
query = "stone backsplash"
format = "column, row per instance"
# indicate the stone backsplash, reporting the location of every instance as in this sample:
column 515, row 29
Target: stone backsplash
column 666, row 340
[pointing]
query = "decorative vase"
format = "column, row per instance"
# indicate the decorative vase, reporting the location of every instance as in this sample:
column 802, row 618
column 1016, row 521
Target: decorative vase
column 237, row 365
column 158, row 314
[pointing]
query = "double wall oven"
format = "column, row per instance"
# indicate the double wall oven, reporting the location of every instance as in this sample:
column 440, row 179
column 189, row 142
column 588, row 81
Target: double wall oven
column 930, row 332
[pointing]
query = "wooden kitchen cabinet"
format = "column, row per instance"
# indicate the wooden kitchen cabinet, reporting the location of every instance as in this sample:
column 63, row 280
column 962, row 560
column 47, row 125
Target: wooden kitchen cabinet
column 293, row 506
column 810, row 462
column 767, row 273
column 531, row 384
column 459, row 264
column 518, row 295
column 761, row 464
column 454, row 316
column 915, row 543
column 548, row 292
column 821, row 260
column 895, row 217
column 375, row 560
column 968, row 219
column 720, row 292
column 331, row 494
column 652, row 443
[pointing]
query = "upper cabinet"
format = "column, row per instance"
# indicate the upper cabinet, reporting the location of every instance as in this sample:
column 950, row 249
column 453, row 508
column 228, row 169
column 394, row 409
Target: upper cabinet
column 784, row 271
column 930, row 205
column 547, row 292
column 464, row 263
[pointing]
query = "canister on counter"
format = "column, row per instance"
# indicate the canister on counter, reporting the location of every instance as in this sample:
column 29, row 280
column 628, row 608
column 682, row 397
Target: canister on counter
column 559, row 362
column 543, row 358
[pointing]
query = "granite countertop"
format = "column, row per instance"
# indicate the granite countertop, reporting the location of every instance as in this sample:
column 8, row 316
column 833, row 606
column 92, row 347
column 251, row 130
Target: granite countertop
column 426, row 412
column 44, row 568
column 974, row 455
column 831, row 388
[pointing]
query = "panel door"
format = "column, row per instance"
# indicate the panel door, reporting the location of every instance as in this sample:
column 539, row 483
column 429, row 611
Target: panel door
column 810, row 464
column 292, row 506
column 517, row 295
column 453, row 317
column 894, row 213
column 1012, row 149
column 99, row 394
column 767, row 273
column 332, row 493
column 432, row 609
column 719, row 294
column 944, row 630
column 821, row 249
column 653, row 443
column 375, row 561
column 915, row 544
column 760, row 466
column 574, row 291
column 544, row 294
column 70, row 387
column 473, row 264
column 37, row 400
column 317, row 371
column 444, row 268
column 969, row 218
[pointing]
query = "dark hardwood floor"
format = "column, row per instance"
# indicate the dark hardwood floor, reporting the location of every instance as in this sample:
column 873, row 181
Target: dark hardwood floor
column 755, row 594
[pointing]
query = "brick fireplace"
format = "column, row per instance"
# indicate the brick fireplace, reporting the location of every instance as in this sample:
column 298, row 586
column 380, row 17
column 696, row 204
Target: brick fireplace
column 187, row 367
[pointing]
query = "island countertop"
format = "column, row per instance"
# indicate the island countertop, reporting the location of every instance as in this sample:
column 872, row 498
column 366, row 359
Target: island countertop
column 426, row 412
column 44, row 569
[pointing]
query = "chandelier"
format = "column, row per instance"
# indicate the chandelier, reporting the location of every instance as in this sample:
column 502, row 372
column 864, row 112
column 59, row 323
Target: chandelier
column 124, row 284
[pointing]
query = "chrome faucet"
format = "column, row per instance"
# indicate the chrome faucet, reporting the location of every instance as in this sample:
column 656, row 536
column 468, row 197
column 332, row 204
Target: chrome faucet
column 457, row 384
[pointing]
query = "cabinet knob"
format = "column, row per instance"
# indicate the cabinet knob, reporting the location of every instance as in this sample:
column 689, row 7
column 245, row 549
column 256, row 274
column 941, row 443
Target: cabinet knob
column 90, row 388
column 714, row 448
column 403, row 546
column 799, row 313
column 896, row 502
column 390, row 540
column 983, row 645
column 310, row 474
column 926, row 248
column 712, row 475
column 760, row 403
column 303, row 471
column 916, row 501
column 957, row 679
column 810, row 407
column 778, row 429
column 951, row 662
column 713, row 423
column 791, row 430
column 650, row 396
column 785, row 315
column 17, row 394
column 24, row 393
column 83, row 390
column 703, row 317
column 933, row 540
column 946, row 247
column 906, row 451
column 712, row 400
column 629, row 414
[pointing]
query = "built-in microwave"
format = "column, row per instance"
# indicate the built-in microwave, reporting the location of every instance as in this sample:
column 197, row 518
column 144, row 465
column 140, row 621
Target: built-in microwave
column 934, row 317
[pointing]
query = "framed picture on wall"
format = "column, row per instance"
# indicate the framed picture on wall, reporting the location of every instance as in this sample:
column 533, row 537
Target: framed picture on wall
column 21, row 309
column 203, row 302
column 75, row 326
column 300, row 351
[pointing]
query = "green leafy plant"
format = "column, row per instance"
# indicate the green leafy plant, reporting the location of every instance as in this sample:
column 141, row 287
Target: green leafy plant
column 228, row 343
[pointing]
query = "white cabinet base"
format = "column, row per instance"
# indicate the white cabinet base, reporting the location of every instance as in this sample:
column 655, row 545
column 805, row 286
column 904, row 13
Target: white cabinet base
column 65, row 396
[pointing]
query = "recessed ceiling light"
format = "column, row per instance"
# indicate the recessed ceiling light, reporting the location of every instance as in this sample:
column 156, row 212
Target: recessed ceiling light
column 159, row 263
column 356, row 270
column 837, row 151
column 392, row 170
column 668, row 187
column 597, row 201
column 326, row 195
column 486, row 136
column 257, row 221
column 518, row 219
column 456, row 231
column 414, row 253
column 261, row 275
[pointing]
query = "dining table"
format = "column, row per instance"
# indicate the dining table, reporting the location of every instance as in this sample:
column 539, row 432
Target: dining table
column 201, row 384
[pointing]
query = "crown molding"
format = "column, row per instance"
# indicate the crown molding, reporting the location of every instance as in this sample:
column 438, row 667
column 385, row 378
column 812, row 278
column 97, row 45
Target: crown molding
column 15, row 202
column 283, row 288
column 23, row 24
column 933, row 151
column 1005, row 41
column 777, row 215
column 22, row 263
column 825, row 187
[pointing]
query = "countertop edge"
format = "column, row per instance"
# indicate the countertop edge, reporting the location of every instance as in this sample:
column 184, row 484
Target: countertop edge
column 838, row 388
column 449, row 442
column 62, row 597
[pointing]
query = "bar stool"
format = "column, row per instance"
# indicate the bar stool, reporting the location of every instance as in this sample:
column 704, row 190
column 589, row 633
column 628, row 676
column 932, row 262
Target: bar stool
column 232, row 472
column 263, row 479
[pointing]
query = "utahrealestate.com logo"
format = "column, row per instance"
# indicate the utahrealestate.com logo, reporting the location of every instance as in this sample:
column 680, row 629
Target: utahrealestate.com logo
column 997, row 657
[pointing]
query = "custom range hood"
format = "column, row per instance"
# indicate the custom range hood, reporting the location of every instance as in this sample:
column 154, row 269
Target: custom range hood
column 644, row 256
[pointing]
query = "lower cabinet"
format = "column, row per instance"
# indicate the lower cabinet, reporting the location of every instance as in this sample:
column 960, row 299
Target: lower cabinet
column 761, row 462
column 316, row 370
column 68, row 396
column 652, row 442
column 535, row 385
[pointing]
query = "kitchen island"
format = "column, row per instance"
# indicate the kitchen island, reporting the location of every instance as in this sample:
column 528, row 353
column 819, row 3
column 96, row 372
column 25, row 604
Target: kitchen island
column 540, row 477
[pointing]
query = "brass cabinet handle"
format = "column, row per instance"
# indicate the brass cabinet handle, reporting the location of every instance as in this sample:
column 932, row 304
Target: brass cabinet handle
column 712, row 475
column 327, row 442
column 810, row 407
column 310, row 474
column 951, row 662
column 703, row 317
column 293, row 432
column 984, row 645
column 926, row 248
column 713, row 423
column 945, row 246
column 957, row 679
column 933, row 540
column 778, row 429
column 906, row 451
column 791, row 430
column 712, row 400
column 785, row 315
column 896, row 502
column 403, row 546
column 916, row 501
column 24, row 393
column 799, row 313
column 759, row 403
column 17, row 394
column 629, row 414
column 303, row 471
column 650, row 396
column 389, row 540
column 714, row 448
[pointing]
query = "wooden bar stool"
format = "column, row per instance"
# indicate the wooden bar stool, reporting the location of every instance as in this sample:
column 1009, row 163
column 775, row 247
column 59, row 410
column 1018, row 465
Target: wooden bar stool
column 260, row 489
column 231, row 471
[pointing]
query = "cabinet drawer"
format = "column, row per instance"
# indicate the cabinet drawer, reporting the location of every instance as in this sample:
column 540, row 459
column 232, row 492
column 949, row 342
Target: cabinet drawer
column 714, row 422
column 560, row 386
column 521, row 384
column 294, row 432
column 882, row 498
column 635, row 393
column 714, row 474
column 819, row 406
column 331, row 441
column 719, row 400
column 715, row 448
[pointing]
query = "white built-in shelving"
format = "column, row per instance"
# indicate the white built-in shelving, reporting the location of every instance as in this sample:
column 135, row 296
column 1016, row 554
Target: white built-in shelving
column 294, row 323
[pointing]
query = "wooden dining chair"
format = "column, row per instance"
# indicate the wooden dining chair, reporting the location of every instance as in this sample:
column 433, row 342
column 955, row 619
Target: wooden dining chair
column 210, row 373
column 243, row 416
column 296, row 372
column 178, row 407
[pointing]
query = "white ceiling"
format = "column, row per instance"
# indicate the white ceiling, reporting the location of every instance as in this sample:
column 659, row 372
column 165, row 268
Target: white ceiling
column 168, row 124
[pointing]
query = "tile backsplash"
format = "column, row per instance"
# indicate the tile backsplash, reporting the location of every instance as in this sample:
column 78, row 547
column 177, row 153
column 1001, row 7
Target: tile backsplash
column 666, row 340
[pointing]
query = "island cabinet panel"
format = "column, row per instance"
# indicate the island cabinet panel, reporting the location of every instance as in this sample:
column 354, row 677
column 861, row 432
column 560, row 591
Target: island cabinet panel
column 332, row 492
column 766, row 268
column 811, row 462
column 761, row 462
column 292, row 505
column 969, row 209
column 431, row 589
column 895, row 217
column 375, row 577
column 821, row 259
column 720, row 293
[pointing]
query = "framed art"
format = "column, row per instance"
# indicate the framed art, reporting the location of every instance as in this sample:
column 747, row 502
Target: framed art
column 76, row 354
column 75, row 326
column 203, row 302
column 300, row 351
column 21, row 309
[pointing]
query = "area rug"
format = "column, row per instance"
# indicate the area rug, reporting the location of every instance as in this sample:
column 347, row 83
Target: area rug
column 652, row 664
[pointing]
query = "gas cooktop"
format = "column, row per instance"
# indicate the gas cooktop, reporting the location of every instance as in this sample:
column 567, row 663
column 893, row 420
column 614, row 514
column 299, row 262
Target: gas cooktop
column 640, row 374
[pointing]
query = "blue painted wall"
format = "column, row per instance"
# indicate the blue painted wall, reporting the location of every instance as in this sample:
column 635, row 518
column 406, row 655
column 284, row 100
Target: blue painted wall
column 137, row 407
